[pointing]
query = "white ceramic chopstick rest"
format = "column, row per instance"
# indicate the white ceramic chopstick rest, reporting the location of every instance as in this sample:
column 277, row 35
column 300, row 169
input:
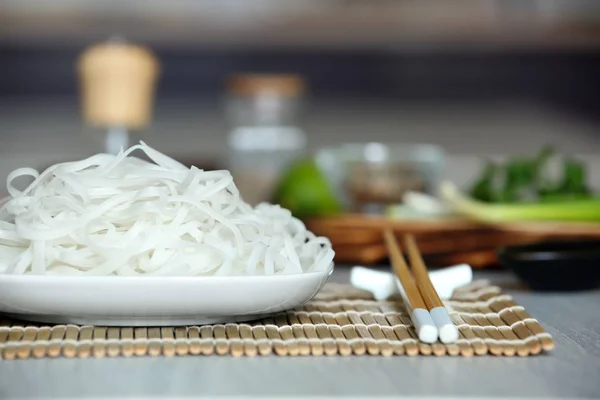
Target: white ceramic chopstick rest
column 383, row 284
column 446, row 280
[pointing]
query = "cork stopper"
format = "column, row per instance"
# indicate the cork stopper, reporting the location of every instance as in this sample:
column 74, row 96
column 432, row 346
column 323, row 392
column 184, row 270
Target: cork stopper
column 288, row 85
column 117, row 82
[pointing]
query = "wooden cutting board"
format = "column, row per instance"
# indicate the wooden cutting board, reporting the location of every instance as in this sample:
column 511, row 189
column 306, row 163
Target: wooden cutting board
column 358, row 238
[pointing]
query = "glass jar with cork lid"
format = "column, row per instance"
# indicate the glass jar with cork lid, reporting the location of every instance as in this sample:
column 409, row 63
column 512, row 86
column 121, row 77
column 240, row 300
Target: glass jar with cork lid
column 265, row 131
column 117, row 83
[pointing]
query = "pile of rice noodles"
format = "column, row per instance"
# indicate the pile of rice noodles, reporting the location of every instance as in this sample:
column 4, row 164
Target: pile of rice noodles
column 120, row 215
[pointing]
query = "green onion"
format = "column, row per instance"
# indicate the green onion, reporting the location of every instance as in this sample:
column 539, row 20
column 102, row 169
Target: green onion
column 576, row 210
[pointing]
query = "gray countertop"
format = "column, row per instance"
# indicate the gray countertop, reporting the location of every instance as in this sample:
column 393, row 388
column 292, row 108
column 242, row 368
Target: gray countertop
column 572, row 370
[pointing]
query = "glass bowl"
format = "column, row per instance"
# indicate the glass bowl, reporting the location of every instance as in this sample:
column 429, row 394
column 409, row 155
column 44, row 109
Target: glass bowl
column 370, row 176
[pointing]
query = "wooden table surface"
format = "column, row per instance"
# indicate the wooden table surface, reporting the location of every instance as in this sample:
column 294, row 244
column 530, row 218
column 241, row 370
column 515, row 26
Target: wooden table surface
column 572, row 370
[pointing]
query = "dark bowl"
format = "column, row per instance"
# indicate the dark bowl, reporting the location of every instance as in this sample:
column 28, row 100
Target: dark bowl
column 555, row 266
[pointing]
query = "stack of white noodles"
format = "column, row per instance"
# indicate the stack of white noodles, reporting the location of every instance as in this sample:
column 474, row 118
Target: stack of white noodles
column 120, row 215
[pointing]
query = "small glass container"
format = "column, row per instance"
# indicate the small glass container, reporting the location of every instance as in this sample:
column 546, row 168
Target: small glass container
column 381, row 182
column 265, row 131
column 117, row 83
column 368, row 177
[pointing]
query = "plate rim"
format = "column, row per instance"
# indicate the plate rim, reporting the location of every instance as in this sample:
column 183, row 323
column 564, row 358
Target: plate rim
column 163, row 279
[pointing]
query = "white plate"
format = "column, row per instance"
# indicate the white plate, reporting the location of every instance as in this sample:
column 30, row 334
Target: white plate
column 154, row 301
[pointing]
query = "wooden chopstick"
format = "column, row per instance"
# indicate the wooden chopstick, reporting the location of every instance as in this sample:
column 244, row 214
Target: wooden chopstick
column 448, row 332
column 422, row 320
column 419, row 270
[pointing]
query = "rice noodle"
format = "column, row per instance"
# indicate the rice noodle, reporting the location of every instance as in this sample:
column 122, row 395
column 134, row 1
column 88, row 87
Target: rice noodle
column 120, row 215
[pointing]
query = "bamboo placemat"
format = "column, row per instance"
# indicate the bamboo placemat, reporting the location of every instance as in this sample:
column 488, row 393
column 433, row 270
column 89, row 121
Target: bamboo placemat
column 340, row 320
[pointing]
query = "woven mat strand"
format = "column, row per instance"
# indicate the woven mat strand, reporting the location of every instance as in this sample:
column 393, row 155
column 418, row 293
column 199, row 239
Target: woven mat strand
column 340, row 320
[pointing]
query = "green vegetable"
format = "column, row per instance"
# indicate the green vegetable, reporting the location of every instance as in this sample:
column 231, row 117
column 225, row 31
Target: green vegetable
column 540, row 161
column 520, row 176
column 574, row 178
column 522, row 180
column 573, row 210
column 306, row 192
column 483, row 187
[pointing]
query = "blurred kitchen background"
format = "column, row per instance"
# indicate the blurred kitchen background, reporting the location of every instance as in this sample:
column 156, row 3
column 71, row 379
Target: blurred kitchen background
column 475, row 77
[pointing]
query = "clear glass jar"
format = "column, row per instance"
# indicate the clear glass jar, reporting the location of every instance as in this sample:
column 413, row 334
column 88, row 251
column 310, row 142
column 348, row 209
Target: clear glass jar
column 111, row 139
column 368, row 177
column 265, row 134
